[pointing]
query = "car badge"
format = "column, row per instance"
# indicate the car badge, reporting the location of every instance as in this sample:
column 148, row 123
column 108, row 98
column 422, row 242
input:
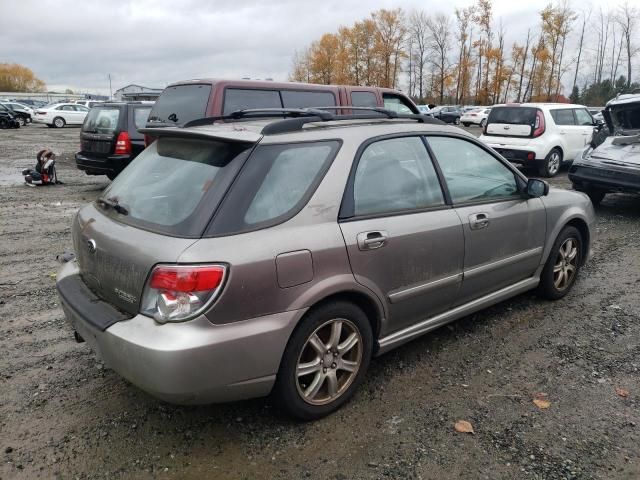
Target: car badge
column 507, row 127
column 91, row 246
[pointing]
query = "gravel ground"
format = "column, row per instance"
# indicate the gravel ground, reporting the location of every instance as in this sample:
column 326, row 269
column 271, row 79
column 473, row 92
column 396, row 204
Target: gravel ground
column 63, row 415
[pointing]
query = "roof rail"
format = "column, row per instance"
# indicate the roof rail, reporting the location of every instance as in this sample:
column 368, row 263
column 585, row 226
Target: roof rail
column 261, row 113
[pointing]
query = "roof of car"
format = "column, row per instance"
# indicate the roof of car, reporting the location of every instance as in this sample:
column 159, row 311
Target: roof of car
column 252, row 131
column 549, row 105
column 624, row 98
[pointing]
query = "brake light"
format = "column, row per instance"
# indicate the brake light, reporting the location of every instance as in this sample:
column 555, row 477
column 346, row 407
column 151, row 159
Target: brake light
column 539, row 125
column 181, row 292
column 123, row 144
column 148, row 140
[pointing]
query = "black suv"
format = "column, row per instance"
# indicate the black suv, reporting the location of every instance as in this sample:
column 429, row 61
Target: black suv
column 8, row 118
column 109, row 138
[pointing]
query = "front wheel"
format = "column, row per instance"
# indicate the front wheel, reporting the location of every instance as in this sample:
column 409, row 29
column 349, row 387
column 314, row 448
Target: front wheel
column 552, row 163
column 21, row 121
column 564, row 262
column 59, row 122
column 324, row 362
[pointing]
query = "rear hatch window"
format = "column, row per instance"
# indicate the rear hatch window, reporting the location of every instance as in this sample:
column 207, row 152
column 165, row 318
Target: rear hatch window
column 98, row 131
column 180, row 104
column 102, row 120
column 173, row 186
column 511, row 121
column 624, row 118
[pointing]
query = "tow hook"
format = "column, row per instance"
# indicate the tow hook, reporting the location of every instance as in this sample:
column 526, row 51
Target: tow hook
column 66, row 257
column 77, row 336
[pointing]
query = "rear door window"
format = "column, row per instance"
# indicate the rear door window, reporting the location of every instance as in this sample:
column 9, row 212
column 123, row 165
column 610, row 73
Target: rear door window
column 174, row 185
column 140, row 116
column 102, row 120
column 563, row 116
column 296, row 99
column 364, row 99
column 274, row 185
column 180, row 104
column 244, row 98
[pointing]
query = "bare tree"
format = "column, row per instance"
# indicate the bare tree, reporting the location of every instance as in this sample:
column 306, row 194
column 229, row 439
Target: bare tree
column 628, row 20
column 439, row 44
column 585, row 18
column 419, row 33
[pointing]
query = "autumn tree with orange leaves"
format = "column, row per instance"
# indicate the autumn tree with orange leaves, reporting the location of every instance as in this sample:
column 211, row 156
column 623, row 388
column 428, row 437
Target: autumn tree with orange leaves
column 18, row 78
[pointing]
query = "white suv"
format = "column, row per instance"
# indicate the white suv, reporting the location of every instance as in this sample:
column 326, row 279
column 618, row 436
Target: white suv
column 543, row 135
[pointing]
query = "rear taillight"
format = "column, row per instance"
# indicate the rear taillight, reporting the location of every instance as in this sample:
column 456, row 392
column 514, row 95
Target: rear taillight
column 123, row 144
column 180, row 292
column 538, row 128
column 148, row 140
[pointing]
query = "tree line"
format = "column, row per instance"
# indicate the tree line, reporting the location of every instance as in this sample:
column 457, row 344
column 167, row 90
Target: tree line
column 18, row 78
column 465, row 58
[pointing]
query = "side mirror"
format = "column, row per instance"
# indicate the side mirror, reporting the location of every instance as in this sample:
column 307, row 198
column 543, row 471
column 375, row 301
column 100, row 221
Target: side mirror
column 537, row 188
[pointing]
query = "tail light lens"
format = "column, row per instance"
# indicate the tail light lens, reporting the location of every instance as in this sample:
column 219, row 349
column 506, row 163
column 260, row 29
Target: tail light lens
column 181, row 292
column 123, row 144
column 538, row 129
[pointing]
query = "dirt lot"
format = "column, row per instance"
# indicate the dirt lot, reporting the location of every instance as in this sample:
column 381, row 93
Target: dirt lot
column 63, row 415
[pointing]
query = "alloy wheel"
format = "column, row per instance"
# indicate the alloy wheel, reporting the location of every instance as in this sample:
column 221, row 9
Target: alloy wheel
column 59, row 123
column 329, row 361
column 554, row 163
column 566, row 264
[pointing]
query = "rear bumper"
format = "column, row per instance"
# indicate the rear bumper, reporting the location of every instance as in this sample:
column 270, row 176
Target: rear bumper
column 102, row 165
column 194, row 362
column 604, row 179
column 525, row 155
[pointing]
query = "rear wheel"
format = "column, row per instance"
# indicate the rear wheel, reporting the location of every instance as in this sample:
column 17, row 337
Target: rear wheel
column 564, row 262
column 4, row 123
column 59, row 122
column 552, row 163
column 466, row 124
column 324, row 362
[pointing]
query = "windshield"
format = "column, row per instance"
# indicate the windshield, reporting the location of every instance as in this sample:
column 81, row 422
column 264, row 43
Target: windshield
column 163, row 187
column 513, row 115
column 180, row 104
column 102, row 120
column 625, row 118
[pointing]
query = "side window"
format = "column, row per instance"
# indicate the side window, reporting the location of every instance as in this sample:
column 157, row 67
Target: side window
column 563, row 116
column 293, row 99
column 364, row 99
column 395, row 175
column 240, row 99
column 470, row 172
column 81, row 108
column 396, row 103
column 583, row 117
column 68, row 108
column 140, row 116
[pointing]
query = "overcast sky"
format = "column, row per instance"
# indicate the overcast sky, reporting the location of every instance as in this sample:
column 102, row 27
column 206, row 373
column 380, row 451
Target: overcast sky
column 76, row 44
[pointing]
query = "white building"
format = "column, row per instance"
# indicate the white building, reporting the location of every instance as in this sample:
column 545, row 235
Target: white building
column 136, row 92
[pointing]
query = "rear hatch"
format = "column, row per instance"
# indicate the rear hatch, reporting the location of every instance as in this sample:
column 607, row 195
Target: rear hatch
column 514, row 125
column 98, row 134
column 151, row 213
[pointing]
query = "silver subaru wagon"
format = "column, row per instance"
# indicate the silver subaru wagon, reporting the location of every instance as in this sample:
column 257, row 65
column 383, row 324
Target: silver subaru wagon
column 236, row 259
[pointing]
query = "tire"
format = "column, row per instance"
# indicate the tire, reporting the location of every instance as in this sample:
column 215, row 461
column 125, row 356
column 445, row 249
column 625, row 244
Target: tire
column 22, row 121
column 466, row 124
column 59, row 122
column 552, row 164
column 568, row 259
column 309, row 396
column 456, row 121
column 4, row 123
column 595, row 195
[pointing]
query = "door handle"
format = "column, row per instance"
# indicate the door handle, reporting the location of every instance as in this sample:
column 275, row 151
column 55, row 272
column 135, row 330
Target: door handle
column 478, row 221
column 372, row 240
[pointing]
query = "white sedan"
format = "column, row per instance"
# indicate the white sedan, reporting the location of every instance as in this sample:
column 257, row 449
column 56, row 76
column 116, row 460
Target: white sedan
column 60, row 114
column 475, row 117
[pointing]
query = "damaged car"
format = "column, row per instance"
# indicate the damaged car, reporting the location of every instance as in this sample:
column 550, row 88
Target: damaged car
column 614, row 165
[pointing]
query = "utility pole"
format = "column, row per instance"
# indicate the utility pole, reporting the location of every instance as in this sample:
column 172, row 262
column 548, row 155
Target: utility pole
column 110, row 92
